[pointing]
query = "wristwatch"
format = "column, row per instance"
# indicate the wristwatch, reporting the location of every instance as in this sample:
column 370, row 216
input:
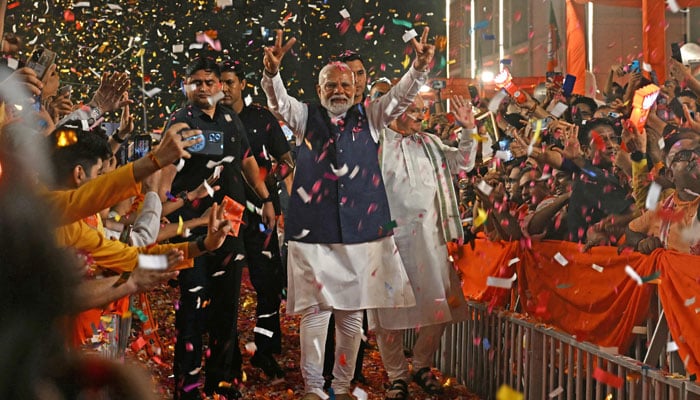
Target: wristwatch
column 637, row 156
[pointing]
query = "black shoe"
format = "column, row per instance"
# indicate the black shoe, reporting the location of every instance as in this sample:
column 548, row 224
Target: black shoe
column 268, row 364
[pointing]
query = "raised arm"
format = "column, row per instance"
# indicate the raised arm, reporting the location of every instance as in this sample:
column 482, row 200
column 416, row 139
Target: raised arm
column 390, row 106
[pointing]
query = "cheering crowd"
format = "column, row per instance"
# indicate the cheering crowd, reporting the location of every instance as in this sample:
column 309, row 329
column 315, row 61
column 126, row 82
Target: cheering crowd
column 374, row 184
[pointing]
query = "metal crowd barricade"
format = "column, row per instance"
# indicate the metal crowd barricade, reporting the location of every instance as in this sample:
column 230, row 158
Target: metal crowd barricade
column 497, row 348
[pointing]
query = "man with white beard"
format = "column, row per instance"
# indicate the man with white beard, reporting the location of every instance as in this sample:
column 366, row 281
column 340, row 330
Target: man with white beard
column 342, row 257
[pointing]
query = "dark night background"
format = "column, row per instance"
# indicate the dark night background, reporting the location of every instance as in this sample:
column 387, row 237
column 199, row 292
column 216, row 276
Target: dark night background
column 89, row 40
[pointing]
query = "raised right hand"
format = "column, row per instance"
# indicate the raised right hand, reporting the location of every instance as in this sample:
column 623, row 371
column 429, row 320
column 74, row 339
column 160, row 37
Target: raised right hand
column 273, row 55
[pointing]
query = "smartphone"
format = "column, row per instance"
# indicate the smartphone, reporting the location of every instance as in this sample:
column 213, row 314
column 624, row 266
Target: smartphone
column 676, row 52
column 40, row 61
column 142, row 145
column 212, row 143
column 568, row 86
column 65, row 90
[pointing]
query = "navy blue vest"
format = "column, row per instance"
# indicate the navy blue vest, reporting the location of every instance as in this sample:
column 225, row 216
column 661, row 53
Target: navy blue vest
column 351, row 208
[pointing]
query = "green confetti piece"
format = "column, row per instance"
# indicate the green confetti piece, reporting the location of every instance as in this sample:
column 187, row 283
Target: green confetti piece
column 401, row 22
column 651, row 277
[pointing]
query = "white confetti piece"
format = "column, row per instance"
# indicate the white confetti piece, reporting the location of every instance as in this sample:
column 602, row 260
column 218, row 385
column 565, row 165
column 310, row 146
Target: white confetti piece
column 646, row 66
column 213, row 99
column 556, row 392
column 597, row 267
column 195, row 289
column 359, row 393
column 224, row 3
column 218, row 273
column 210, row 190
column 180, row 165
column 408, row 35
column 344, row 13
column 557, row 109
column 671, row 347
column 81, row 4
column 689, row 302
column 196, row 46
column 673, row 6
column 212, row 164
column 653, row 196
column 251, row 348
column 217, row 172
column 484, row 187
column 513, row 261
column 152, row 92
column 305, row 197
column 153, row 261
column 12, row 63
column 661, row 143
column 178, row 48
column 639, row 330
column 561, row 259
column 248, row 100
column 263, row 331
column 303, row 233
column 496, row 100
column 267, row 254
column 354, row 172
column 340, row 171
column 267, row 315
column 195, row 371
column 633, row 274
column 505, row 283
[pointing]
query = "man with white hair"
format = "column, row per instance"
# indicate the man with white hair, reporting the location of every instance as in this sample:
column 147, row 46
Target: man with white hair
column 342, row 256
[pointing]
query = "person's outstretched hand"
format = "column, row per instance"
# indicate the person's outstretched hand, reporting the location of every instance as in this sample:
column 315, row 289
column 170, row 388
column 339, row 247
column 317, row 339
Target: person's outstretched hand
column 108, row 96
column 463, row 112
column 274, row 54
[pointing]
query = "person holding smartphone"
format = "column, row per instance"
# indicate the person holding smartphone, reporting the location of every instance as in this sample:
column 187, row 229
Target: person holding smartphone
column 216, row 277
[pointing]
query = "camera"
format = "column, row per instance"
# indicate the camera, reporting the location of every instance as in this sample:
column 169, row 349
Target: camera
column 212, row 143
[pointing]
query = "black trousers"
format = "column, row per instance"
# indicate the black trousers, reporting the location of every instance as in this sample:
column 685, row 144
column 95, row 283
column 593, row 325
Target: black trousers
column 269, row 278
column 209, row 296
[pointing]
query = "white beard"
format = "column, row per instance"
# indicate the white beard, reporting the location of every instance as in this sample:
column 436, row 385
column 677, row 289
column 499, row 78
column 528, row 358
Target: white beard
column 337, row 108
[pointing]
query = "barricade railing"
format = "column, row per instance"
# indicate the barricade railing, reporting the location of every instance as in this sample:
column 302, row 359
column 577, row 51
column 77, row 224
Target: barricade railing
column 494, row 348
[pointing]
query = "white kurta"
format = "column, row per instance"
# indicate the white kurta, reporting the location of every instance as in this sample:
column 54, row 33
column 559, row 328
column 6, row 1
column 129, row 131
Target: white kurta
column 412, row 186
column 346, row 276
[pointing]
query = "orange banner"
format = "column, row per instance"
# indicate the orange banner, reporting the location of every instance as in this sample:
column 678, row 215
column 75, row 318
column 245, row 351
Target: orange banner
column 596, row 295
column 576, row 46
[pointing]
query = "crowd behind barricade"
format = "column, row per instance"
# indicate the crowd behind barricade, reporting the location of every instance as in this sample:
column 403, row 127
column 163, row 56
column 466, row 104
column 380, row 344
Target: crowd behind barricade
column 381, row 185
column 588, row 170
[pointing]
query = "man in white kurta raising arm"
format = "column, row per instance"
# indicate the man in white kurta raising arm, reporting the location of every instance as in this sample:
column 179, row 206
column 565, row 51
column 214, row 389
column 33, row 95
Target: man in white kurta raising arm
column 417, row 169
column 342, row 257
